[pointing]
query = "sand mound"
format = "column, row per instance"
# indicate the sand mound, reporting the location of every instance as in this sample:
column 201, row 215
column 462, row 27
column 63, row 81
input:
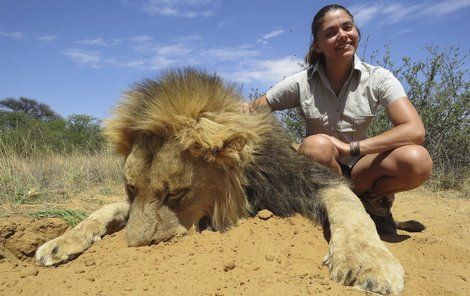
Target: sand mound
column 271, row 256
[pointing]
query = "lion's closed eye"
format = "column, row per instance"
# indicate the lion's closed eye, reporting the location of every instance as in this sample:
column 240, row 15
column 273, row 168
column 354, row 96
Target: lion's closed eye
column 176, row 194
column 131, row 192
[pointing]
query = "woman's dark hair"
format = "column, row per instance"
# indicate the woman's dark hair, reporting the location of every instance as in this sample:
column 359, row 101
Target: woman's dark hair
column 312, row 57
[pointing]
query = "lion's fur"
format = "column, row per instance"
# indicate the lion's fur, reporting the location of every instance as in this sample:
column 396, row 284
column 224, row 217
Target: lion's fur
column 203, row 115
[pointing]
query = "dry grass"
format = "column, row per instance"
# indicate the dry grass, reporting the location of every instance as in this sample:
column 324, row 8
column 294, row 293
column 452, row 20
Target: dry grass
column 53, row 178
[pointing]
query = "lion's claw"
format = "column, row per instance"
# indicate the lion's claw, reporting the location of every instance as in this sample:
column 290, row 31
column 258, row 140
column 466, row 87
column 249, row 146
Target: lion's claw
column 371, row 268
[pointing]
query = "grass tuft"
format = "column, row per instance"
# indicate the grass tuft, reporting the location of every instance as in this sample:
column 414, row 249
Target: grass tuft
column 72, row 217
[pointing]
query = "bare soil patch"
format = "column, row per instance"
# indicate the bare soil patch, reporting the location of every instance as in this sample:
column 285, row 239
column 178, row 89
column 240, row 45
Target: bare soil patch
column 276, row 256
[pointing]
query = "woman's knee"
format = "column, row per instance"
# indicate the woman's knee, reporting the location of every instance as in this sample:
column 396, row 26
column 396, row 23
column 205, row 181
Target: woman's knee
column 415, row 161
column 318, row 148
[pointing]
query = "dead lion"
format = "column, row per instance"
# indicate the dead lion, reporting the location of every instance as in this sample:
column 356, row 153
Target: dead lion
column 192, row 155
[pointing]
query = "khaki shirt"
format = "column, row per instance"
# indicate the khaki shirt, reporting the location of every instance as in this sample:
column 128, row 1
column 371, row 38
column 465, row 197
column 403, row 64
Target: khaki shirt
column 346, row 116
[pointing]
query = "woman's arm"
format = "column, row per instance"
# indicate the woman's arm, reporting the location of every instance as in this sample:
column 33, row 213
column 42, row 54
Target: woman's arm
column 407, row 129
column 254, row 105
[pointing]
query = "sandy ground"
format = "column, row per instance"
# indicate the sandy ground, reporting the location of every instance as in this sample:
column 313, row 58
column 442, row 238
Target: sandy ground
column 259, row 257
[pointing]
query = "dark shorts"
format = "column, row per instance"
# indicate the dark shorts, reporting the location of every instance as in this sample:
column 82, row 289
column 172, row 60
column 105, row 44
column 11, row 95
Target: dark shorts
column 347, row 163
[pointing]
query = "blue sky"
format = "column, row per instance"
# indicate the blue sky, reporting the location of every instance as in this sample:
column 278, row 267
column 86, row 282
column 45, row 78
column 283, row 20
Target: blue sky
column 79, row 55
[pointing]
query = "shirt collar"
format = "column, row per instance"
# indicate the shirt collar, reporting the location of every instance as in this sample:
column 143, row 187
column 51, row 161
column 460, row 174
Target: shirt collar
column 357, row 66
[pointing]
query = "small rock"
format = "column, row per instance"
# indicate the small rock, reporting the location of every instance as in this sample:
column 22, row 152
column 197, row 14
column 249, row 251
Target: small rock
column 90, row 278
column 324, row 283
column 269, row 257
column 28, row 272
column 317, row 276
column 265, row 214
column 229, row 265
column 80, row 271
column 90, row 262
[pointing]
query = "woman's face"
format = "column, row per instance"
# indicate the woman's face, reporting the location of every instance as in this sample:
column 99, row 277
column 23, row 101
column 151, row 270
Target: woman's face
column 337, row 37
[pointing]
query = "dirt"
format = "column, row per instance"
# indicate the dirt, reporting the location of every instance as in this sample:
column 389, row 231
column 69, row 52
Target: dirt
column 269, row 256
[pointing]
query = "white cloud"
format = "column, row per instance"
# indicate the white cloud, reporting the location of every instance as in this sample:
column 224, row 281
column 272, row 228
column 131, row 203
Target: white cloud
column 172, row 49
column 363, row 14
column 268, row 71
column 225, row 22
column 181, row 8
column 96, row 41
column 47, row 38
column 392, row 12
column 14, row 35
column 89, row 58
column 446, row 7
column 141, row 38
column 270, row 35
column 230, row 53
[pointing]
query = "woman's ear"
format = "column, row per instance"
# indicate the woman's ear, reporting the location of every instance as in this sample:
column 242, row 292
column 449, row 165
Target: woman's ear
column 316, row 47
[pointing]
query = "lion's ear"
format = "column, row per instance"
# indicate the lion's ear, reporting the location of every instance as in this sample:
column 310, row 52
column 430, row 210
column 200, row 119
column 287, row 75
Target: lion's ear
column 215, row 142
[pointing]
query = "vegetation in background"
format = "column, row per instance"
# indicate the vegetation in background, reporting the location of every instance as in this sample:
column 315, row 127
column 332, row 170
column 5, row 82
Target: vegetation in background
column 45, row 158
column 439, row 88
column 72, row 217
column 28, row 127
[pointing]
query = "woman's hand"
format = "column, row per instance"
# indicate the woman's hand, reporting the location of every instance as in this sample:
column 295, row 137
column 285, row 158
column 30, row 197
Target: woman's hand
column 343, row 148
column 247, row 107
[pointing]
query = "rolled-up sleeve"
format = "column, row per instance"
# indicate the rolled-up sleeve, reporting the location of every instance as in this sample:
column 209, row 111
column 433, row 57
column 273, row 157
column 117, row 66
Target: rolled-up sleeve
column 284, row 95
column 388, row 87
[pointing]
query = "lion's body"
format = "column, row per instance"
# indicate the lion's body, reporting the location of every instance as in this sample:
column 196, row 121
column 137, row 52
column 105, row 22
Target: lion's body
column 192, row 155
column 286, row 183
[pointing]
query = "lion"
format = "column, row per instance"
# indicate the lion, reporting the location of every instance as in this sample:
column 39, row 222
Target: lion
column 192, row 157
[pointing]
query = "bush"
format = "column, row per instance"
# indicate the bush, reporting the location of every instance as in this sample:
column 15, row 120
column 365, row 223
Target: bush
column 439, row 88
column 28, row 133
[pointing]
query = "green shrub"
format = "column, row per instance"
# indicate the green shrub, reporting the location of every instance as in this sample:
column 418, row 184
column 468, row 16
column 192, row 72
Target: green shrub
column 27, row 133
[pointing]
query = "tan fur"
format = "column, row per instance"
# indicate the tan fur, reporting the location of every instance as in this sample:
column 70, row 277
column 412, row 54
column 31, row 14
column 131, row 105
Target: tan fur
column 73, row 243
column 355, row 244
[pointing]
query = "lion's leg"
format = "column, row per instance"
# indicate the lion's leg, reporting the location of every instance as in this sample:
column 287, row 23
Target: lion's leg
column 68, row 246
column 356, row 256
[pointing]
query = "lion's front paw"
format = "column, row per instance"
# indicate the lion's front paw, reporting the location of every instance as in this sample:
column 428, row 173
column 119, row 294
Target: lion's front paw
column 365, row 265
column 62, row 249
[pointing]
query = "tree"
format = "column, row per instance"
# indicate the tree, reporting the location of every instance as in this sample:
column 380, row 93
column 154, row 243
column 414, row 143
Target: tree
column 29, row 106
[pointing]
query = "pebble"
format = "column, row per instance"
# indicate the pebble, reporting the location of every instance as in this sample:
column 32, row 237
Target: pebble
column 229, row 265
column 265, row 214
column 29, row 272
column 269, row 257
column 324, row 283
column 90, row 262
column 317, row 276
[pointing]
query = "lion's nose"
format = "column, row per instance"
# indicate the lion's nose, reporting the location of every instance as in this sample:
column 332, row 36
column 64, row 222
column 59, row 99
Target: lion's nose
column 138, row 241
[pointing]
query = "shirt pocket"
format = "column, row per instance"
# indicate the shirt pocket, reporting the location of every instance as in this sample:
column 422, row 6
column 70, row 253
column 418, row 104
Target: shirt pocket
column 360, row 125
column 315, row 124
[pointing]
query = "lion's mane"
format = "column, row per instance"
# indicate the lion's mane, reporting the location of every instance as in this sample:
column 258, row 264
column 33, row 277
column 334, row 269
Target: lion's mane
column 204, row 114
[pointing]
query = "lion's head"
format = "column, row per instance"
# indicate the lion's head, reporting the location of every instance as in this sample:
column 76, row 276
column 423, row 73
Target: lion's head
column 185, row 143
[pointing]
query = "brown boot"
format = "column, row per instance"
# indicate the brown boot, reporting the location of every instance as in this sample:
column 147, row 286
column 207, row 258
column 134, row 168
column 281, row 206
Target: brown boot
column 379, row 209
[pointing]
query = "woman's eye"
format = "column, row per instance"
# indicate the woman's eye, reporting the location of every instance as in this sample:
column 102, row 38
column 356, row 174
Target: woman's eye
column 330, row 34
